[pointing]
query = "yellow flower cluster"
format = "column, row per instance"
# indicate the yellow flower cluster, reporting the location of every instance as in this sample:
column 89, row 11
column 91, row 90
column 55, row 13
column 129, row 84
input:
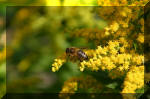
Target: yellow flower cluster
column 140, row 38
column 122, row 2
column 57, row 64
column 138, row 59
column 109, row 57
column 119, row 18
column 70, row 87
column 112, row 28
column 120, row 24
column 134, row 79
column 77, row 83
column 89, row 33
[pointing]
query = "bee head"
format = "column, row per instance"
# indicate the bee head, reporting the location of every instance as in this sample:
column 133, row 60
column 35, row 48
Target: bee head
column 70, row 50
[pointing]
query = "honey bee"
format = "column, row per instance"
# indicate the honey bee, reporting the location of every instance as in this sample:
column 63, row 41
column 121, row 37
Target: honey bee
column 76, row 54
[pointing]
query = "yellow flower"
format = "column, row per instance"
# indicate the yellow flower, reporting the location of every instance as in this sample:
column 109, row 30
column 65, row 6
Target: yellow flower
column 114, row 51
column 110, row 66
column 138, row 59
column 107, row 33
column 120, row 58
column 126, row 65
column 70, row 87
column 82, row 66
column 114, row 27
column 113, row 44
column 57, row 64
column 83, row 82
column 102, row 50
column 122, row 49
column 140, row 38
column 134, row 79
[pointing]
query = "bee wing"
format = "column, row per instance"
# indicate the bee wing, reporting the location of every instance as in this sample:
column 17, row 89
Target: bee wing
column 84, row 48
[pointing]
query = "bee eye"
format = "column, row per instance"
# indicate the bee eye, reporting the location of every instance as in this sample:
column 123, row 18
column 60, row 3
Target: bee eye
column 67, row 50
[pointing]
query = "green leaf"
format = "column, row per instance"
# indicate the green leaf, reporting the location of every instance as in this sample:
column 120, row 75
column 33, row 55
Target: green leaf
column 112, row 85
column 135, row 46
column 141, row 90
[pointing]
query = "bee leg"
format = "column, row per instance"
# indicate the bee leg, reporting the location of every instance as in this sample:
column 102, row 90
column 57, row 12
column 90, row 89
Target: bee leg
column 68, row 57
column 87, row 58
column 81, row 60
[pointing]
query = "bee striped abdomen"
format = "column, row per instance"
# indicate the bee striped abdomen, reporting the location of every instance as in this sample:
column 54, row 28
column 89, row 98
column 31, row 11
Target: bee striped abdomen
column 81, row 55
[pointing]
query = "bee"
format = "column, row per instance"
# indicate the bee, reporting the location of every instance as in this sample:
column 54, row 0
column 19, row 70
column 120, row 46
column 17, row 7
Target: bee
column 76, row 54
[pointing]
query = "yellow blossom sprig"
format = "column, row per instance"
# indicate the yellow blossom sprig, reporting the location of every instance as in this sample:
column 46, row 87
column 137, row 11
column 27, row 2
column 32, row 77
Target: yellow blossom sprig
column 89, row 33
column 111, row 28
column 68, row 89
column 57, row 64
column 76, row 83
column 140, row 38
column 122, row 23
column 134, row 79
column 122, row 2
column 109, row 58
